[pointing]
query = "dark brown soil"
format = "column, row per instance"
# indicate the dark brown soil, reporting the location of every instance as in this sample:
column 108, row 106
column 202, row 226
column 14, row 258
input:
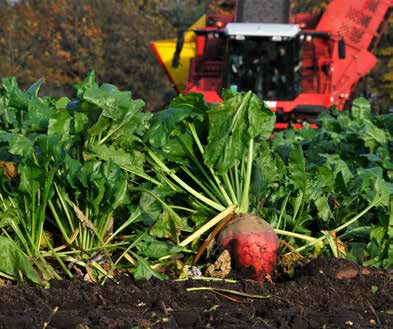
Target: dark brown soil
column 314, row 298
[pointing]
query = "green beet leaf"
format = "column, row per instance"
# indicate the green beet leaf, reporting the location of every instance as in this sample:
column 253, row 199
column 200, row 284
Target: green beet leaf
column 20, row 145
column 143, row 269
column 113, row 102
column 14, row 262
column 177, row 149
column 129, row 161
column 168, row 225
column 31, row 178
column 361, row 109
column 241, row 118
column 323, row 207
column 165, row 124
column 88, row 83
column 297, row 167
column 163, row 221
column 373, row 136
column 60, row 124
column 193, row 101
column 35, row 88
column 37, row 116
column 155, row 249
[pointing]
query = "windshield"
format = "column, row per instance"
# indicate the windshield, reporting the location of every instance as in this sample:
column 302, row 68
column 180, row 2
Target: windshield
column 271, row 69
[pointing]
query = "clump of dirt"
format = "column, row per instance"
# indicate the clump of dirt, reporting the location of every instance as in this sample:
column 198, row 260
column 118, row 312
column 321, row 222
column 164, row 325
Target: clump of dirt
column 321, row 295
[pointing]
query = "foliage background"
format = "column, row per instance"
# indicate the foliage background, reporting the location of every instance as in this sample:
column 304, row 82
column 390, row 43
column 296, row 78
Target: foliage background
column 61, row 40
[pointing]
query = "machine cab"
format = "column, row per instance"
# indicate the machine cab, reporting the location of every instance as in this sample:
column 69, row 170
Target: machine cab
column 264, row 58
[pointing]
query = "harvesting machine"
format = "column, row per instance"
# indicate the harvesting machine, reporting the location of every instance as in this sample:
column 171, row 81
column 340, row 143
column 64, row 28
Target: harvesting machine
column 299, row 64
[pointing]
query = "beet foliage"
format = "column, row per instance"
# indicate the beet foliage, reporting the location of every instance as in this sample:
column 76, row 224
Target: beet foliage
column 95, row 185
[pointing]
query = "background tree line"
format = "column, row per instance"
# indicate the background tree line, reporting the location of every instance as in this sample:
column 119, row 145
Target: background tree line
column 60, row 41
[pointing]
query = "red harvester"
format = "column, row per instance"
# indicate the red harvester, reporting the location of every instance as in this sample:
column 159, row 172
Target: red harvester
column 299, row 65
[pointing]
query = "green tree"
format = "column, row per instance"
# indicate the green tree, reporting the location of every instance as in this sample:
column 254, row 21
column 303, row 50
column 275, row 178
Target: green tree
column 379, row 84
column 56, row 40
column 128, row 60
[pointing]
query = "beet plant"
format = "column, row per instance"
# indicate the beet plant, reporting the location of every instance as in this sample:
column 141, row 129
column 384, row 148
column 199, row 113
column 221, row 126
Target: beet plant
column 343, row 189
column 73, row 194
column 222, row 155
column 210, row 153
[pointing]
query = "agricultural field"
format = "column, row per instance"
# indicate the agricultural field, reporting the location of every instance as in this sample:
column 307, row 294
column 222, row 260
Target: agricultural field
column 315, row 298
column 194, row 216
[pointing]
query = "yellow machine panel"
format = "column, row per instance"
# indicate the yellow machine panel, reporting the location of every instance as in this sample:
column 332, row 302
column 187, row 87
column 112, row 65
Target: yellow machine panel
column 165, row 49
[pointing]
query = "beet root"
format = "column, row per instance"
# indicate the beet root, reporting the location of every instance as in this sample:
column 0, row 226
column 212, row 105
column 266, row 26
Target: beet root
column 252, row 243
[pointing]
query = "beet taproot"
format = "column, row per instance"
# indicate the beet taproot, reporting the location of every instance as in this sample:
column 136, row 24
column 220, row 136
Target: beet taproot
column 252, row 243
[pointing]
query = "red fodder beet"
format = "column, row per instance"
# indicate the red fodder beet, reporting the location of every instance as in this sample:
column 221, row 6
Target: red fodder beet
column 252, row 243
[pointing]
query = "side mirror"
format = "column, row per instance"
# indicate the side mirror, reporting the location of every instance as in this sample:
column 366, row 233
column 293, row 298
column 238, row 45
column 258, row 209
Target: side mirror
column 342, row 49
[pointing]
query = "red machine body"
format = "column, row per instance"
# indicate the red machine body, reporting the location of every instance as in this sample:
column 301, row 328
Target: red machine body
column 324, row 60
